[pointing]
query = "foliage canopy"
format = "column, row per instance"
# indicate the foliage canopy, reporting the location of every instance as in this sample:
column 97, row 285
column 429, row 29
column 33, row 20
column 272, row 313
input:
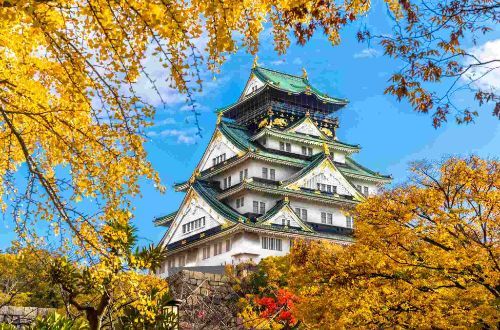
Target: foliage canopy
column 426, row 254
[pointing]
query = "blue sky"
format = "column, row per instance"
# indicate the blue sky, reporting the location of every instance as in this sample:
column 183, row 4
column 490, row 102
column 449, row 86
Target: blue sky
column 389, row 132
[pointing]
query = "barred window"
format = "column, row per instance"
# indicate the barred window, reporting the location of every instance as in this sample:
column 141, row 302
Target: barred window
column 349, row 222
column 271, row 243
column 193, row 225
column 206, row 252
column 255, row 207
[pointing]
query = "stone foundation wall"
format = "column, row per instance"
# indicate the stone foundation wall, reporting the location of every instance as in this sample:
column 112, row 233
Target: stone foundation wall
column 208, row 300
column 22, row 316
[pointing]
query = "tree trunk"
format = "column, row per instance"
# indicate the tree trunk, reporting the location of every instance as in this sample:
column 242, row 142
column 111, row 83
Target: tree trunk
column 94, row 319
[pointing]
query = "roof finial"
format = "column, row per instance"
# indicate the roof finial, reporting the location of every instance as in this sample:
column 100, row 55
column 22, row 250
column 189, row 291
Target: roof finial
column 304, row 73
column 255, row 64
column 326, row 150
column 219, row 118
column 287, row 199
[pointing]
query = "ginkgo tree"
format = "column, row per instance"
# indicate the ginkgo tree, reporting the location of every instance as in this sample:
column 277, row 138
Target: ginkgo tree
column 72, row 125
column 425, row 255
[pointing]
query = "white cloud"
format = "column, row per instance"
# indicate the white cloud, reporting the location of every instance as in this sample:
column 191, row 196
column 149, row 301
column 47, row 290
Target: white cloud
column 488, row 51
column 181, row 136
column 199, row 107
column 297, row 61
column 367, row 53
column 165, row 122
column 279, row 62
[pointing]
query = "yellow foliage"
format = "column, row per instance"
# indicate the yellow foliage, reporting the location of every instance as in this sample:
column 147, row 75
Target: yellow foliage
column 426, row 256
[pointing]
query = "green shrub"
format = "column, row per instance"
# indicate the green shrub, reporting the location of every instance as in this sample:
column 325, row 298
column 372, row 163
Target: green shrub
column 56, row 321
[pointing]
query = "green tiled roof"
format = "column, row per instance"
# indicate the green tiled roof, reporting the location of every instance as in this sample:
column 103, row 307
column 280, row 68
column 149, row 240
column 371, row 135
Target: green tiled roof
column 209, row 195
column 278, row 207
column 272, row 211
column 292, row 84
column 165, row 219
column 314, row 162
column 237, row 134
column 241, row 137
column 352, row 167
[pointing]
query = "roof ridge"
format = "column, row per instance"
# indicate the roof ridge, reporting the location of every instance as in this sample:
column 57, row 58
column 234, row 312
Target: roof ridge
column 227, row 211
column 355, row 163
column 283, row 73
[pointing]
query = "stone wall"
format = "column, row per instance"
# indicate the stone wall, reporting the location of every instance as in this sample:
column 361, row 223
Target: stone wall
column 21, row 316
column 208, row 300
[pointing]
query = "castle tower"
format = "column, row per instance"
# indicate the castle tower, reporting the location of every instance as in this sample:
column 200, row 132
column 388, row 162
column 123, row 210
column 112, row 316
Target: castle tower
column 272, row 172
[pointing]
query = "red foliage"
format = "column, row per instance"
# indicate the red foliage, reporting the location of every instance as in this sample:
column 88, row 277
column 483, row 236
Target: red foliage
column 278, row 307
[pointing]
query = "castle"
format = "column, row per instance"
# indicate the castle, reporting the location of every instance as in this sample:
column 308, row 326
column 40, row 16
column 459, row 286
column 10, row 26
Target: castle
column 273, row 171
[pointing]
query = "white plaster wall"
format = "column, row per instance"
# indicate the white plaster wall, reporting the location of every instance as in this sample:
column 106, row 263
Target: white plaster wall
column 274, row 143
column 249, row 197
column 219, row 146
column 314, row 211
column 255, row 170
column 244, row 246
column 253, row 85
column 339, row 157
column 307, row 128
column 373, row 189
column 193, row 212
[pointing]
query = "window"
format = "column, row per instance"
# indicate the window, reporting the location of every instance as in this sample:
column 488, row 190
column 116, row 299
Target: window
column 227, row 182
column 243, row 174
column 182, row 261
column 262, row 208
column 301, row 213
column 240, row 202
column 228, row 245
column 285, row 222
column 271, row 243
column 264, row 172
column 327, row 188
column 206, row 252
column 365, row 190
column 219, row 159
column 193, row 225
column 326, row 218
column 285, row 146
column 272, row 174
column 348, row 221
column 255, row 207
column 264, row 141
column 217, row 248
column 307, row 151
column 358, row 186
